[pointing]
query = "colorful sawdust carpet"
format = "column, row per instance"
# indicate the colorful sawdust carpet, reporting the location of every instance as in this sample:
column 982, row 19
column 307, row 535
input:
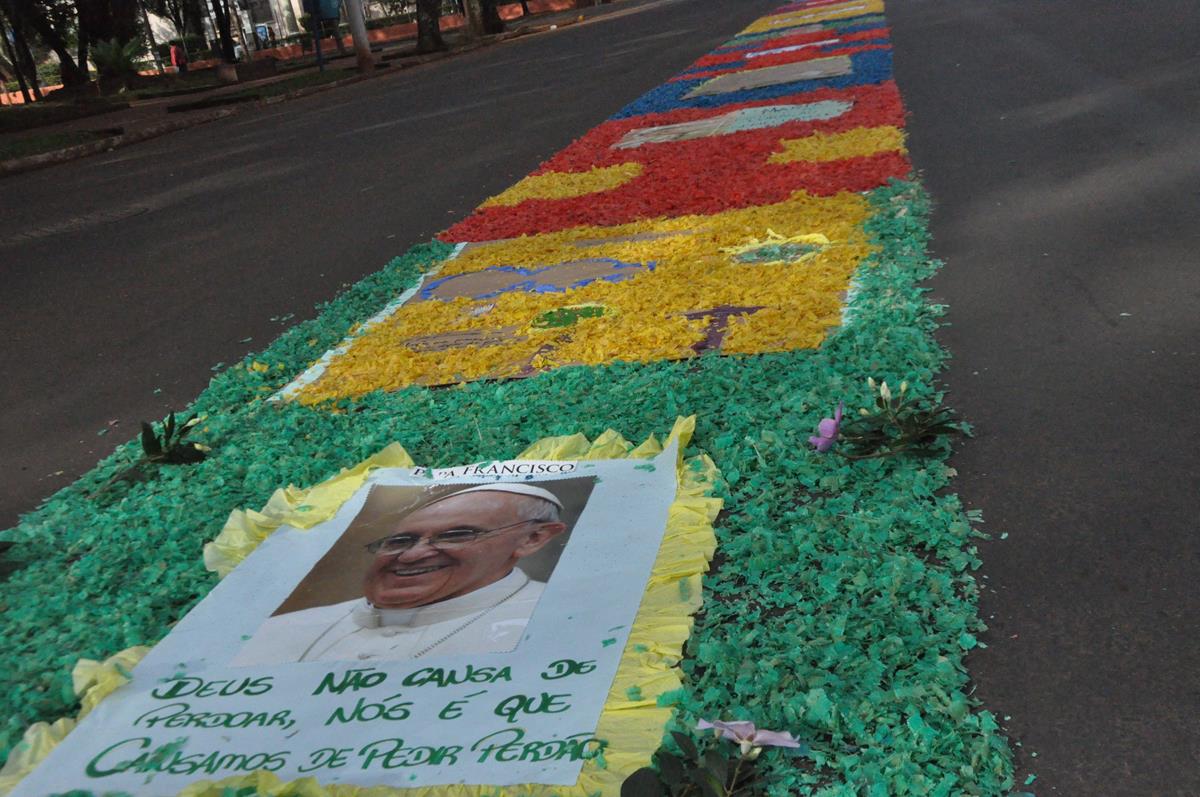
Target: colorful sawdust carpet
column 720, row 212
column 754, row 206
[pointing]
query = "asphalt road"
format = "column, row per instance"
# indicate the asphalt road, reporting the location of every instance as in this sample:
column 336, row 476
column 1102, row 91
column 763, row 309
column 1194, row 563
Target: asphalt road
column 141, row 270
column 1061, row 144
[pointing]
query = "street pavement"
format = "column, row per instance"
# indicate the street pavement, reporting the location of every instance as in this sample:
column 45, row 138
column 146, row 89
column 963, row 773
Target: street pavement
column 127, row 277
column 1059, row 141
column 1061, row 144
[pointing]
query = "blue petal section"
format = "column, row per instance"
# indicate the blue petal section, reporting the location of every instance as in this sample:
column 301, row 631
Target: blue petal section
column 873, row 66
column 621, row 271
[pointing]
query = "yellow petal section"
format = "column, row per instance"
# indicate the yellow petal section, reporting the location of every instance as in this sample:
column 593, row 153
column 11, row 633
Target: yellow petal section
column 837, row 146
column 653, row 311
column 851, row 8
column 564, row 185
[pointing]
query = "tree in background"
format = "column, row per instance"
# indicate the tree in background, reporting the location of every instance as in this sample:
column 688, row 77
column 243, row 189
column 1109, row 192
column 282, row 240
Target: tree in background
column 44, row 21
column 224, row 35
column 59, row 24
column 12, row 64
column 106, row 20
column 429, row 31
column 186, row 15
column 492, row 23
column 117, row 62
column 483, row 17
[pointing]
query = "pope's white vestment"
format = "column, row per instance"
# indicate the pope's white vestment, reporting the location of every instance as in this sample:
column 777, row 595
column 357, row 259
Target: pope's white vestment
column 491, row 619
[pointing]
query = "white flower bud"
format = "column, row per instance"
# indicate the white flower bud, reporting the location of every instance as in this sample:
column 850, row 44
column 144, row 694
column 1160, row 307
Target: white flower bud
column 871, row 384
column 885, row 392
column 903, row 388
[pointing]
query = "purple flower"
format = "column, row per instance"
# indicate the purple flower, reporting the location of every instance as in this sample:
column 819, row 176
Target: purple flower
column 827, row 430
column 747, row 736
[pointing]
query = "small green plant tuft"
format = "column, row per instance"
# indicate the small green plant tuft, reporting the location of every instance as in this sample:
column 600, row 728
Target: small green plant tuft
column 117, row 60
column 695, row 772
column 896, row 424
column 709, row 769
column 169, row 447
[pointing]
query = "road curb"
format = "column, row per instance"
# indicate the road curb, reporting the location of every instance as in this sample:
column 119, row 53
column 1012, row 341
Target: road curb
column 31, row 162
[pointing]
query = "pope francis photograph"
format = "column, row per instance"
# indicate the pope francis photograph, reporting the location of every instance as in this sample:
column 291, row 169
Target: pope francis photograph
column 438, row 580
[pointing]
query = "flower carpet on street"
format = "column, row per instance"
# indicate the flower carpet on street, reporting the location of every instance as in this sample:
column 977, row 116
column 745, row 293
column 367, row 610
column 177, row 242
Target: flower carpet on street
column 744, row 243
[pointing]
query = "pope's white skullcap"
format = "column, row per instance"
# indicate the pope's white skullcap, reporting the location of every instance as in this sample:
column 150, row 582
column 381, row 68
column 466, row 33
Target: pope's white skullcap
column 515, row 488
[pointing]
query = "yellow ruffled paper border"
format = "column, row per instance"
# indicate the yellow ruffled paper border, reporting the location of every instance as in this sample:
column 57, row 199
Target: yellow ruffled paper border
column 93, row 681
column 296, row 507
column 631, row 722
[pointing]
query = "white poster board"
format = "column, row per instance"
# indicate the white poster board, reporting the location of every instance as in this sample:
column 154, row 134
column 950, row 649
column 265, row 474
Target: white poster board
column 421, row 713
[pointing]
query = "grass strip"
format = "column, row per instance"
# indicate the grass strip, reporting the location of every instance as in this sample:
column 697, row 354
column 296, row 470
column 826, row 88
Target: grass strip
column 49, row 142
column 15, row 118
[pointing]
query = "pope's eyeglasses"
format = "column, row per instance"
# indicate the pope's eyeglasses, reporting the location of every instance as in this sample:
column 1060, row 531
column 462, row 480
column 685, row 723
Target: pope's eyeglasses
column 443, row 540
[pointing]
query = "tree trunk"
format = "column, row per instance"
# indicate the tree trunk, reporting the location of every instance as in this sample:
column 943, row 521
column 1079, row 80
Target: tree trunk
column 226, row 39
column 193, row 17
column 82, row 47
column 27, row 63
column 158, row 64
column 429, row 32
column 25, row 11
column 358, row 33
column 12, row 57
column 105, row 20
column 236, row 18
column 492, row 23
column 123, row 19
column 473, row 12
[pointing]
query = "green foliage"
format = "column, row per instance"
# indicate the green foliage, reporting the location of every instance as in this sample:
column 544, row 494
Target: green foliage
column 48, row 73
column 710, row 770
column 116, row 59
column 898, row 424
column 15, row 118
column 46, row 142
column 168, row 447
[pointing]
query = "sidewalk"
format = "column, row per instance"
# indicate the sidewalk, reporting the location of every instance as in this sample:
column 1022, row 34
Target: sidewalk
column 150, row 118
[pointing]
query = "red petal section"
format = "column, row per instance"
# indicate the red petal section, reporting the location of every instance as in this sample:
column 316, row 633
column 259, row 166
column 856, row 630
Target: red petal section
column 700, row 176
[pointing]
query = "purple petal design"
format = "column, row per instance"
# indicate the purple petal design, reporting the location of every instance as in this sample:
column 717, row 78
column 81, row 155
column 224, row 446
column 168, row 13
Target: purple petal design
column 827, row 430
column 733, row 731
column 774, row 739
column 746, row 734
